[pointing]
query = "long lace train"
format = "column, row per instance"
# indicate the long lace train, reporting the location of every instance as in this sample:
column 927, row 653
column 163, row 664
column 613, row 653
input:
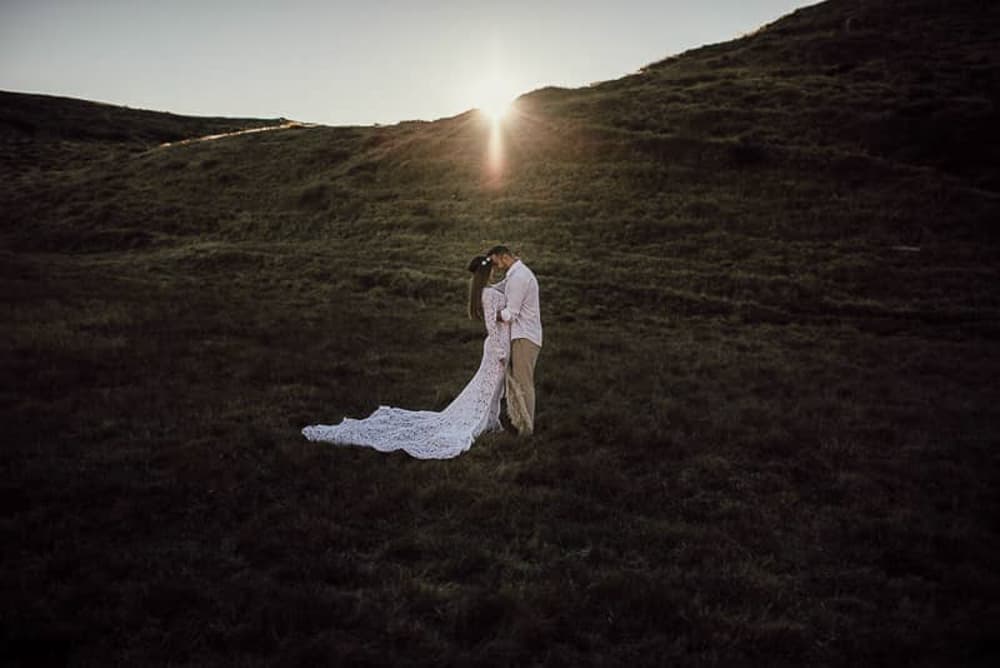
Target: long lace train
column 432, row 434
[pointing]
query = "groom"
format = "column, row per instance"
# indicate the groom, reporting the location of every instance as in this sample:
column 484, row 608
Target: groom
column 524, row 315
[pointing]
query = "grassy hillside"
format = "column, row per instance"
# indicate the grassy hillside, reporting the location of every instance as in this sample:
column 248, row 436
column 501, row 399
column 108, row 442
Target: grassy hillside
column 768, row 411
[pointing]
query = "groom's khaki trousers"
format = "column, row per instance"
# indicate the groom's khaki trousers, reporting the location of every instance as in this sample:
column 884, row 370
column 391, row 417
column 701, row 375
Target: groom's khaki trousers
column 521, row 385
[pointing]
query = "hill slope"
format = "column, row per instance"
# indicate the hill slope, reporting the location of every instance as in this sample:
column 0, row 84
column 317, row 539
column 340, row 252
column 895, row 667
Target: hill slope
column 767, row 402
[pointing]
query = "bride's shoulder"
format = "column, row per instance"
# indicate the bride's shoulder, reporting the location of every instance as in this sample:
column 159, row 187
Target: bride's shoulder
column 493, row 294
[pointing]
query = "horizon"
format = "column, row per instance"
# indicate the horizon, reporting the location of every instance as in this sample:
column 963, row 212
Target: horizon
column 315, row 62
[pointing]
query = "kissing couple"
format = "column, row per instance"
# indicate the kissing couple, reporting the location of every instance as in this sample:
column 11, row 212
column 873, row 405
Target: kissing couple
column 510, row 311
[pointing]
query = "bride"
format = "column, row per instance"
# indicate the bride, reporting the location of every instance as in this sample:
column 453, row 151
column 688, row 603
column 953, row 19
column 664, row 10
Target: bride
column 445, row 434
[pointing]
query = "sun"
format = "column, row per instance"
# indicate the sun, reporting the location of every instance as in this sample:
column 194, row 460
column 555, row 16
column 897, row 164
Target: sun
column 495, row 97
column 496, row 107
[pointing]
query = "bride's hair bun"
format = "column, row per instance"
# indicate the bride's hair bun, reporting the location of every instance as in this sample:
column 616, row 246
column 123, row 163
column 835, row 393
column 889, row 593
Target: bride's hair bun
column 479, row 262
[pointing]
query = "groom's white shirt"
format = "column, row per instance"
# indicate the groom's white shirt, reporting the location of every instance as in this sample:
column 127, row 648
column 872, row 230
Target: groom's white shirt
column 522, row 311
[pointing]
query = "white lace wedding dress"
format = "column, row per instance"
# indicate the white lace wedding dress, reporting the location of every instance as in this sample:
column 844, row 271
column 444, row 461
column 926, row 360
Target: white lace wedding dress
column 431, row 434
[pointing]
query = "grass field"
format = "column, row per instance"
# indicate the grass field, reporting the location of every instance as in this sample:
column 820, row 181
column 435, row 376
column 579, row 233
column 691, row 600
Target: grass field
column 768, row 409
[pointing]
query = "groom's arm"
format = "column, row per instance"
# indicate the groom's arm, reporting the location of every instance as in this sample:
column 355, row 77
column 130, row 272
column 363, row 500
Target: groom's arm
column 517, row 292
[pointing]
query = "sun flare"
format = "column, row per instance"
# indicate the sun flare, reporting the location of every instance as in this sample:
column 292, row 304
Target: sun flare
column 496, row 107
column 494, row 96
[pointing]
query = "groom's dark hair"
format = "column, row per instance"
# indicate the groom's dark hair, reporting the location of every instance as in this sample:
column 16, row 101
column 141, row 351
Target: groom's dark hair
column 498, row 250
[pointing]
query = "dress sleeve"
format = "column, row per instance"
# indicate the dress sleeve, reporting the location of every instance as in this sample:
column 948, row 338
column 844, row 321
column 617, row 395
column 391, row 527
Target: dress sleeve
column 498, row 332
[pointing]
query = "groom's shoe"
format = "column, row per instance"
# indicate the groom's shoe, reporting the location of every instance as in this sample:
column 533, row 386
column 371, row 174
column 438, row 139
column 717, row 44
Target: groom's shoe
column 507, row 425
column 523, row 431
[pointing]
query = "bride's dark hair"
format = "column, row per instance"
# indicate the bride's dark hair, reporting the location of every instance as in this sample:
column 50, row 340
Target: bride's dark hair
column 481, row 266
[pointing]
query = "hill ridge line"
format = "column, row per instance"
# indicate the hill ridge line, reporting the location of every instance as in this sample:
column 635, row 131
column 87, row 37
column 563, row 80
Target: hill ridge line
column 222, row 135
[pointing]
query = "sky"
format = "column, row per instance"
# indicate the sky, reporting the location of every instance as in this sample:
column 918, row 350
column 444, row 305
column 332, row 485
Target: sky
column 346, row 63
